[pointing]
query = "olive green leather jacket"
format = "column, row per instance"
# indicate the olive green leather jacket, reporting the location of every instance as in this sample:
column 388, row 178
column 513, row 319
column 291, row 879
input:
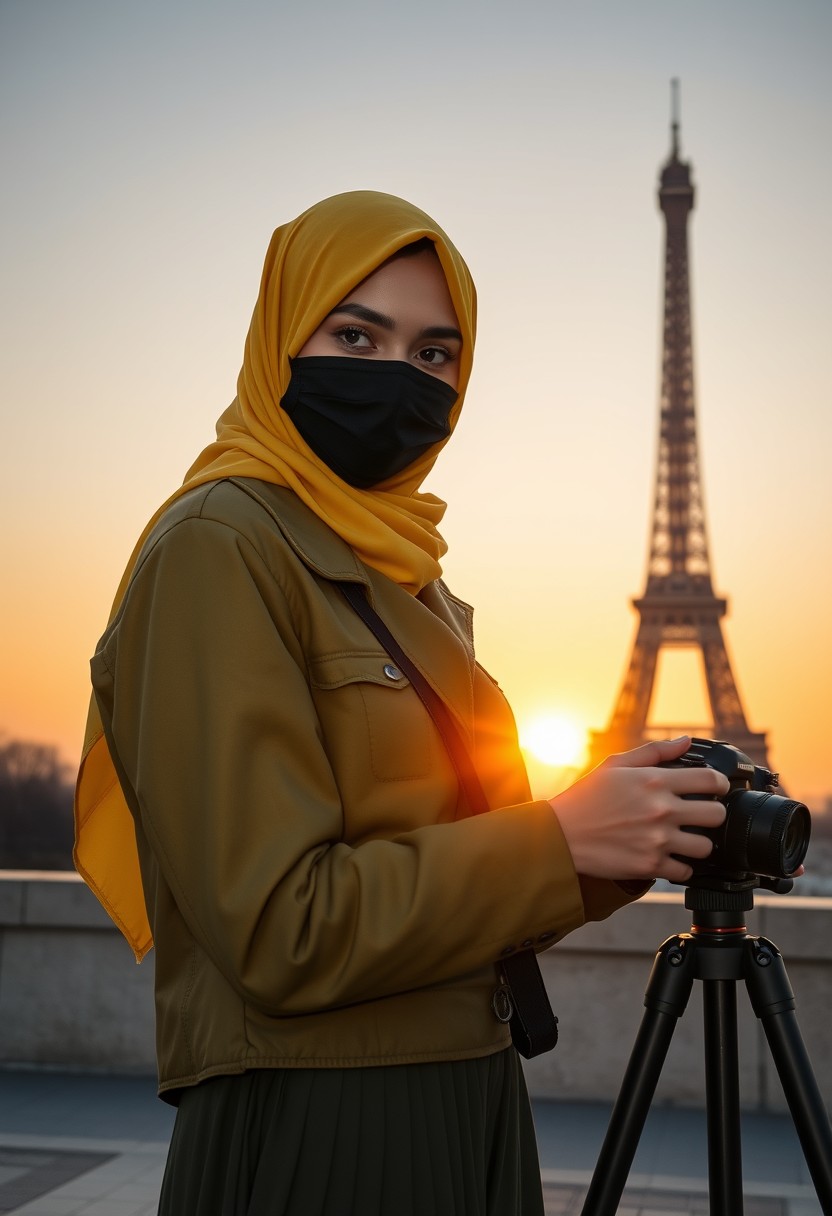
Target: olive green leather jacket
column 317, row 895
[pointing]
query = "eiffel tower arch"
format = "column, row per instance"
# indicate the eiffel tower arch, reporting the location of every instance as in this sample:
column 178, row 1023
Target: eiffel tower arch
column 679, row 607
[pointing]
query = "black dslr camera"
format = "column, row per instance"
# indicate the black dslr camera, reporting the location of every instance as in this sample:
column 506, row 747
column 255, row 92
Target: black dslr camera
column 763, row 834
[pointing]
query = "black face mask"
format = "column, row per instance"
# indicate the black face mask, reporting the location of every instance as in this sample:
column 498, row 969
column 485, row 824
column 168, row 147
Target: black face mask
column 367, row 419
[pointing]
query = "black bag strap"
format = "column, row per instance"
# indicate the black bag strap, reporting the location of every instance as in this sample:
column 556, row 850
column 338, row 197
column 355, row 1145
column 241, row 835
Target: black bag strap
column 534, row 1027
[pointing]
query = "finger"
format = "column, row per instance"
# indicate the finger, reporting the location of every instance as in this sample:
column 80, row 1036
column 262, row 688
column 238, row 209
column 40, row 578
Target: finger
column 675, row 870
column 699, row 814
column 650, row 754
column 696, row 781
column 693, row 845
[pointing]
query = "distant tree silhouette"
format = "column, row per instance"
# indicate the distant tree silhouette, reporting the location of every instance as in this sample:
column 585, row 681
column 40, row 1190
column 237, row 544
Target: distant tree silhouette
column 35, row 807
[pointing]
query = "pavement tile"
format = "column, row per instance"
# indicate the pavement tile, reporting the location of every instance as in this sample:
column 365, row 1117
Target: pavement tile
column 52, row 1205
column 110, row 1207
column 32, row 1173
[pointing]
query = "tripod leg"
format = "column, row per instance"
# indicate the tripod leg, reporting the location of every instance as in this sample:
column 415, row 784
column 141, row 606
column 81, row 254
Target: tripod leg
column 774, row 1004
column 667, row 995
column 722, row 1095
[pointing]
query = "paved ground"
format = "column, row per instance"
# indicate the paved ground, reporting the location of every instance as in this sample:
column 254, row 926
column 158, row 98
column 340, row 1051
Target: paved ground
column 95, row 1146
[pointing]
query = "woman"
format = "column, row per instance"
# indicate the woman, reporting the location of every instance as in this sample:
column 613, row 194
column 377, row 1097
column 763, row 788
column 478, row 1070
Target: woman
column 327, row 910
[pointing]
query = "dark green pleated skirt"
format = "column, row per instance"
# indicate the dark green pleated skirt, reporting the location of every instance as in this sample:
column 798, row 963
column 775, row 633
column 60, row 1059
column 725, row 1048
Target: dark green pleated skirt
column 447, row 1139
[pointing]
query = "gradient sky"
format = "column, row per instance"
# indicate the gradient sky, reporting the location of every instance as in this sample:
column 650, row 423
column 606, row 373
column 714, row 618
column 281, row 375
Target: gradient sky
column 148, row 150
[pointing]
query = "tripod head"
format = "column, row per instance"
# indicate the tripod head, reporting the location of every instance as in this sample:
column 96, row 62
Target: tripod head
column 720, row 903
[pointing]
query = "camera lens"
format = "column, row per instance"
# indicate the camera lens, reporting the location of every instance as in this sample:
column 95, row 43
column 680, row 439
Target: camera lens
column 796, row 838
column 766, row 834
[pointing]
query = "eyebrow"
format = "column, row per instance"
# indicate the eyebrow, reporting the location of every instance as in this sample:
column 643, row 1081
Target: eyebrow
column 362, row 313
column 366, row 314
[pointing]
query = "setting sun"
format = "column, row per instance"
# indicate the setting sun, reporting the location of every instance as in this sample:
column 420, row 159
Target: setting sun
column 554, row 739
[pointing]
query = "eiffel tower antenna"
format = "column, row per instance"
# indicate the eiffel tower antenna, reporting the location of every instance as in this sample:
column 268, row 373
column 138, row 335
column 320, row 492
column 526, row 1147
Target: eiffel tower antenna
column 679, row 607
column 674, row 118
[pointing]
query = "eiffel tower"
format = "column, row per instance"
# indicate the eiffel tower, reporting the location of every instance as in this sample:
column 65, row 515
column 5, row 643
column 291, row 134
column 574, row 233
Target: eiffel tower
column 679, row 607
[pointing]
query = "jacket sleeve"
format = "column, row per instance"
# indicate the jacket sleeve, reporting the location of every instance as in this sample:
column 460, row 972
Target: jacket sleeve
column 204, row 685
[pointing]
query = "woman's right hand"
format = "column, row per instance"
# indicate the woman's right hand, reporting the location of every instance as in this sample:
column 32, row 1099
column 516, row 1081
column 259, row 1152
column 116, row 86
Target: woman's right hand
column 624, row 819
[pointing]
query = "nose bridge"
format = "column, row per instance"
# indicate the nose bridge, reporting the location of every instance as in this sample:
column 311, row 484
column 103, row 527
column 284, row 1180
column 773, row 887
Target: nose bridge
column 398, row 347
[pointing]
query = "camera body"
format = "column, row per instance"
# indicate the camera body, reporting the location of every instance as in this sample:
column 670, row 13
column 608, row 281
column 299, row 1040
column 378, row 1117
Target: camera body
column 763, row 835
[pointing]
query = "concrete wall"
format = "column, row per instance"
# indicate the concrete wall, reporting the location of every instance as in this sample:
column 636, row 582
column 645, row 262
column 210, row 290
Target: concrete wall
column 71, row 996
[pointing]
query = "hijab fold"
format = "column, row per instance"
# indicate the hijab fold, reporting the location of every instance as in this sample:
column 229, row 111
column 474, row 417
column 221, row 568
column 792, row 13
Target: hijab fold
column 311, row 265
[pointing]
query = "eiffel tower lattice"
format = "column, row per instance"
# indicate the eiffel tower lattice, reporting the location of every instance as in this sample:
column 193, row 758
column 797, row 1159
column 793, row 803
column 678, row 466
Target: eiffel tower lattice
column 679, row 607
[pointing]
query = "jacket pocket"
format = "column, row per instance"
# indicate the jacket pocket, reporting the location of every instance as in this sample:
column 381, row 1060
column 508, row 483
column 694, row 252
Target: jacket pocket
column 375, row 726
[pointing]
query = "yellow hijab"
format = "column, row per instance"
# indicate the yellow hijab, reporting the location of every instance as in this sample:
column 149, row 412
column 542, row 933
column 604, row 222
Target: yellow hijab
column 312, row 263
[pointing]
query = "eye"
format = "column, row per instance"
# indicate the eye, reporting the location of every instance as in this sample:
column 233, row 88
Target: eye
column 354, row 337
column 435, row 356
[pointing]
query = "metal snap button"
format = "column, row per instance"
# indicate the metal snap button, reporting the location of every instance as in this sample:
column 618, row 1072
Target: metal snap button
column 392, row 672
column 502, row 1005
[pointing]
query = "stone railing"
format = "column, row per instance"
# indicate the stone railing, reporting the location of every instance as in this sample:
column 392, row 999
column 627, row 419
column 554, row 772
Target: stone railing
column 71, row 996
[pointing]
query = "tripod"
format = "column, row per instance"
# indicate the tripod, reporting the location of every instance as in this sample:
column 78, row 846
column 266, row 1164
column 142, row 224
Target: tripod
column 719, row 951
